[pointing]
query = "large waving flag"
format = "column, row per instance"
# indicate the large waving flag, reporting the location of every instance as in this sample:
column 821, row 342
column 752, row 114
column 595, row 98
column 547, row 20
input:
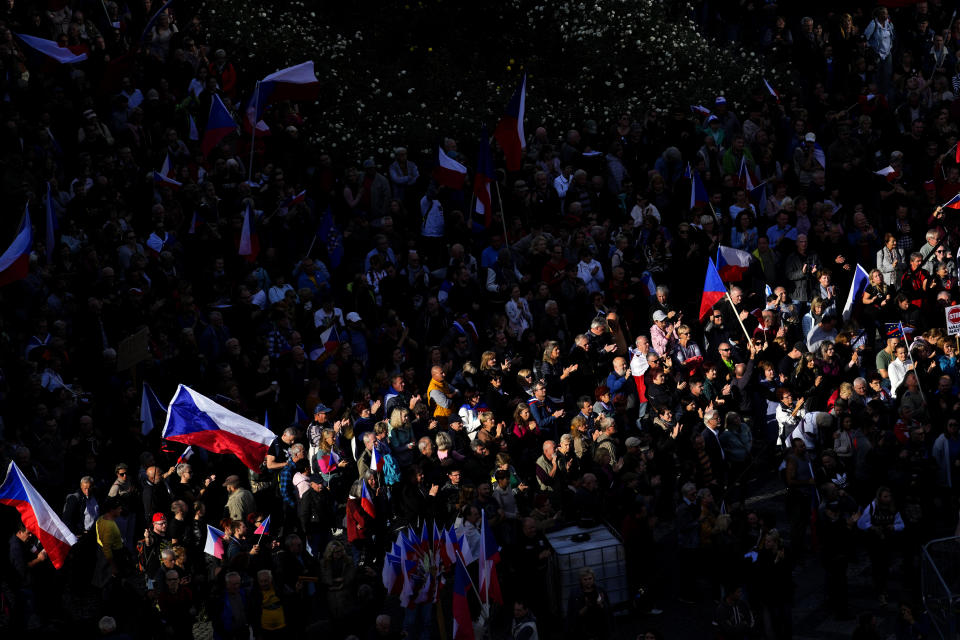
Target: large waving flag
column 732, row 264
column 462, row 621
column 298, row 82
column 509, row 131
column 214, row 544
column 713, row 289
column 483, row 178
column 160, row 180
column 15, row 261
column 195, row 419
column 448, row 171
column 860, row 281
column 37, row 516
column 220, row 124
column 51, row 49
column 249, row 246
column 151, row 410
column 51, row 229
column 489, row 557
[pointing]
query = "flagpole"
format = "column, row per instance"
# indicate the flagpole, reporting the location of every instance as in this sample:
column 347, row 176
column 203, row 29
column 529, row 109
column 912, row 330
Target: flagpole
column 916, row 374
column 503, row 215
column 311, row 245
column 737, row 315
column 253, row 128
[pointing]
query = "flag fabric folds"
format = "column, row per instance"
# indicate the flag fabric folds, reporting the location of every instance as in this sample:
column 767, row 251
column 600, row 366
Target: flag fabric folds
column 186, row 455
column 37, row 516
column 220, row 124
column 953, row 203
column 860, row 281
column 449, row 172
column 366, row 499
column 462, row 621
column 161, row 180
column 264, row 528
column 732, row 264
column 298, row 82
column 772, row 91
column 698, row 192
column 249, row 246
column 51, row 230
column 509, row 131
column 15, row 260
column 489, row 586
column 483, row 178
column 375, row 459
column 51, row 49
column 151, row 410
column 713, row 289
column 329, row 235
column 300, row 416
column 195, row 419
column 214, row 543
column 646, row 281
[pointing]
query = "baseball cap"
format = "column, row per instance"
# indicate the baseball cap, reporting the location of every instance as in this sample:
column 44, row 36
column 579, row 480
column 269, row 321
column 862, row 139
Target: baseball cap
column 159, row 517
column 632, row 442
column 353, row 316
column 810, row 137
column 321, row 408
column 712, row 118
column 659, row 316
column 720, row 100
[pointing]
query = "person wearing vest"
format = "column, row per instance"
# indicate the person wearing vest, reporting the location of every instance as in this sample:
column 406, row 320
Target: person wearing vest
column 881, row 521
column 524, row 623
column 440, row 396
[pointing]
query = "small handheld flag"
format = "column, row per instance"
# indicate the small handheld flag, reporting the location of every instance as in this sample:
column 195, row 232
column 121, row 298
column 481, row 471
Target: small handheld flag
column 713, row 289
column 264, row 527
column 214, row 543
column 366, row 500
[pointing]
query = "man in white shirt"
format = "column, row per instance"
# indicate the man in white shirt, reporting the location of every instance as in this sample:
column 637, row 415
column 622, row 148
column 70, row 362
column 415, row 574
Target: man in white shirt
column 562, row 182
column 590, row 271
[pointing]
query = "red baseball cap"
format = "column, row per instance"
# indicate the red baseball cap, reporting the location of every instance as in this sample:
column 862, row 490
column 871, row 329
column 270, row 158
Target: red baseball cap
column 159, row 517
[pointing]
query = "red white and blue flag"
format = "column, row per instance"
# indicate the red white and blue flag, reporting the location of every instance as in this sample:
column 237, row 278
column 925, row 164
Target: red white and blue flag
column 860, row 281
column 186, row 455
column 699, row 108
column 489, row 558
column 151, row 410
column 509, row 131
column 713, row 289
column 744, row 177
column 37, row 516
column 449, row 172
column 264, row 528
column 160, row 180
column 483, row 178
column 698, row 192
column 298, row 82
column 214, row 543
column 15, row 261
column 462, row 620
column 732, row 264
column 772, row 91
column 249, row 246
column 952, row 203
column 328, row 462
column 197, row 420
column 366, row 499
column 220, row 124
column 375, row 460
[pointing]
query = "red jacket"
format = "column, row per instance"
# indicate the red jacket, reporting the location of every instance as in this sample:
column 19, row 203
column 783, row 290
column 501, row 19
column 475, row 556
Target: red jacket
column 359, row 523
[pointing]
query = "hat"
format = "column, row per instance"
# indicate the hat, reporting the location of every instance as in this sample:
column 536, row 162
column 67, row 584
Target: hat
column 353, row 316
column 712, row 118
column 159, row 517
column 632, row 442
column 799, row 345
column 232, row 481
column 315, row 478
column 321, row 408
column 659, row 316
column 810, row 137
column 369, row 163
column 720, row 100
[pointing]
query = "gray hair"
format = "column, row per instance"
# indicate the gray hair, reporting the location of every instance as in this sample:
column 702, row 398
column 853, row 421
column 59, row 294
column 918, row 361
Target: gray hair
column 687, row 488
column 87, row 480
column 182, row 468
column 232, row 575
column 598, row 323
column 265, row 572
column 290, row 431
column 932, row 234
column 107, row 625
column 369, row 436
column 423, row 443
column 566, row 438
column 296, row 449
column 710, row 414
column 167, row 553
column 662, row 288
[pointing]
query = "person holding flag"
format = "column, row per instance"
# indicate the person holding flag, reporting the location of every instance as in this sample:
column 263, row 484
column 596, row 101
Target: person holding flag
column 361, row 518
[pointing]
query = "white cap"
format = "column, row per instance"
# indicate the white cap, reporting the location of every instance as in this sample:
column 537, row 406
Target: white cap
column 810, row 137
column 353, row 316
column 659, row 316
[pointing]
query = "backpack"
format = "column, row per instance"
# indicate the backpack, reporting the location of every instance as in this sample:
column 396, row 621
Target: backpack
column 391, row 472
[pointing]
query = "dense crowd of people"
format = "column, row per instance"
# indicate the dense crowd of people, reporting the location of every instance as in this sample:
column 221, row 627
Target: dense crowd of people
column 550, row 367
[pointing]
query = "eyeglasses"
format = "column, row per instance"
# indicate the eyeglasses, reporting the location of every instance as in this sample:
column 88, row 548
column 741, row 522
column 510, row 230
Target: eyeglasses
column 121, row 473
column 723, row 350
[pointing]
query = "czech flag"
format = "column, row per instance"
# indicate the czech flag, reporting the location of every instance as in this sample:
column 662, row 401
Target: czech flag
column 698, row 192
column 328, row 462
column 330, row 338
column 732, row 264
column 220, row 124
column 509, row 132
column 713, row 289
column 489, row 557
column 699, row 108
column 37, row 516
column 51, row 49
column 160, row 180
column 860, row 281
column 952, row 203
column 166, row 169
column 298, row 82
column 366, row 499
column 646, row 281
column 483, row 178
column 462, row 621
column 449, row 172
column 195, row 419
column 772, row 91
column 214, row 544
column 743, row 177
column 15, row 261
column 293, row 200
column 249, row 246
column 375, row 461
column 889, row 173
column 264, row 528
column 300, row 417
column 150, row 409
column 192, row 134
